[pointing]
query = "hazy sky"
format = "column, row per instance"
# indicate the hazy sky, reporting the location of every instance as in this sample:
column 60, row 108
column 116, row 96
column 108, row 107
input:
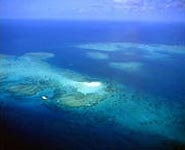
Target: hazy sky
column 161, row 10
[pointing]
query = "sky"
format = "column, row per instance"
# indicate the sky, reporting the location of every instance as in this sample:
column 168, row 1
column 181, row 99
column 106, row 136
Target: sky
column 150, row 10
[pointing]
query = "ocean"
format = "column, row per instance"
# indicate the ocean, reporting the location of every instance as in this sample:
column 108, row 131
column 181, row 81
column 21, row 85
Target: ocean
column 92, row 85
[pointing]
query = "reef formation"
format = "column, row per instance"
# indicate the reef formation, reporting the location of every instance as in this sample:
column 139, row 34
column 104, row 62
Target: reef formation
column 31, row 76
column 148, row 51
column 98, row 55
column 126, row 66
column 121, row 46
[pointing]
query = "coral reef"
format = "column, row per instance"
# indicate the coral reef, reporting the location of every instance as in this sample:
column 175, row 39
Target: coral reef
column 29, row 75
column 39, row 55
column 126, row 66
column 79, row 100
column 152, row 51
column 24, row 89
column 97, row 55
column 115, row 46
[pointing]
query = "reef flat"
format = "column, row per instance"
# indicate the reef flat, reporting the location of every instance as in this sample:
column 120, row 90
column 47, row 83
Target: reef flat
column 116, row 46
column 152, row 51
column 126, row 66
column 97, row 55
column 31, row 76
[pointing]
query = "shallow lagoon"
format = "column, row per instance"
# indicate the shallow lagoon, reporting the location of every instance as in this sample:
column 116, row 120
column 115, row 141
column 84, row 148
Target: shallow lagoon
column 131, row 96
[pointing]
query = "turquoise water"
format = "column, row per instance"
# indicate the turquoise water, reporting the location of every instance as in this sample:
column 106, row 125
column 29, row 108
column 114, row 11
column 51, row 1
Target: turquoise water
column 92, row 85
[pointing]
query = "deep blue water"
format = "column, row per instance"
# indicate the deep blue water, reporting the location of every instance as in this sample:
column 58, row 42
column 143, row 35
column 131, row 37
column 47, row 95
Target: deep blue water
column 165, row 78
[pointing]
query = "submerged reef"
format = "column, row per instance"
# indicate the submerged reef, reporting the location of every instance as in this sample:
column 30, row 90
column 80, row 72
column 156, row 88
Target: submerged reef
column 24, row 89
column 151, row 51
column 97, row 55
column 115, row 46
column 126, row 66
column 39, row 55
column 100, row 46
column 31, row 76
